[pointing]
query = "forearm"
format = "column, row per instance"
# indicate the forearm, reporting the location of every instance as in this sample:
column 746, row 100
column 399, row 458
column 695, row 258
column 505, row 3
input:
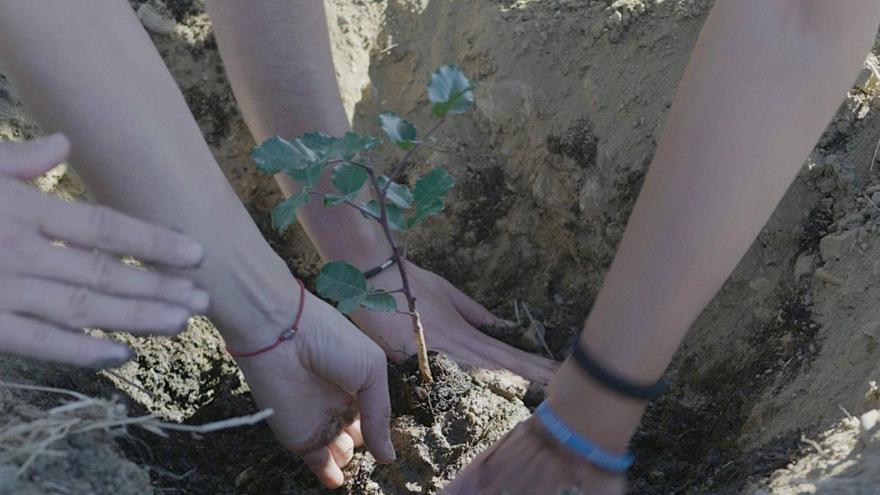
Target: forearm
column 763, row 82
column 91, row 71
column 278, row 60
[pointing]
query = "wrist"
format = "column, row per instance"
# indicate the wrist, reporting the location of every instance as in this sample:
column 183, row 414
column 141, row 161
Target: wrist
column 601, row 415
column 254, row 300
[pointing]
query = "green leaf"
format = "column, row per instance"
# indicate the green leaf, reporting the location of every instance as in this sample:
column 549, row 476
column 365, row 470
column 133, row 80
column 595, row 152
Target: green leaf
column 398, row 130
column 428, row 195
column 398, row 194
column 310, row 176
column 349, row 178
column 380, row 301
column 450, row 91
column 394, row 214
column 284, row 214
column 318, row 142
column 350, row 145
column 277, row 154
column 342, row 283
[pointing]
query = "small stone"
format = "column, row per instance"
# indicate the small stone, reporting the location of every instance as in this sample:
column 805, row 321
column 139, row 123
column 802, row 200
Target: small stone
column 154, row 21
column 824, row 275
column 834, row 246
column 868, row 421
column 803, row 266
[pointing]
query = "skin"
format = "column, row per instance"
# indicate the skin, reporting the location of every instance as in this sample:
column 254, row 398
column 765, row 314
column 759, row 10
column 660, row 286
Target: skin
column 90, row 69
column 52, row 292
column 762, row 83
column 278, row 60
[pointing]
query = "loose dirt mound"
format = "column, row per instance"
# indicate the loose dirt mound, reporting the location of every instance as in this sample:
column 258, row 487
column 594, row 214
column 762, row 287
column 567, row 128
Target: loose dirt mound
column 571, row 100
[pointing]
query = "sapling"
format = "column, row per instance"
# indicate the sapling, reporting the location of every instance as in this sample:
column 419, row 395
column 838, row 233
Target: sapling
column 392, row 204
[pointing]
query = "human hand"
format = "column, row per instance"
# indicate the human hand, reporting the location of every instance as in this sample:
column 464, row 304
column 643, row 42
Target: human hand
column 328, row 386
column 527, row 461
column 451, row 319
column 50, row 292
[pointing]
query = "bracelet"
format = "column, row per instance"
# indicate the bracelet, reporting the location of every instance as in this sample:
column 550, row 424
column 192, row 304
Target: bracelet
column 579, row 445
column 372, row 272
column 614, row 382
column 285, row 335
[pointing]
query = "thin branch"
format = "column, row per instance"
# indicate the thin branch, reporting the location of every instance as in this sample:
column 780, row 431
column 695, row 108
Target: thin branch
column 418, row 329
column 363, row 210
column 398, row 168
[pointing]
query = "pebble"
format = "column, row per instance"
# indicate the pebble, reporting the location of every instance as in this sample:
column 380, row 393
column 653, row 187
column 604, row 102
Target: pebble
column 803, row 266
column 868, row 421
column 824, row 275
column 154, row 21
column 834, row 246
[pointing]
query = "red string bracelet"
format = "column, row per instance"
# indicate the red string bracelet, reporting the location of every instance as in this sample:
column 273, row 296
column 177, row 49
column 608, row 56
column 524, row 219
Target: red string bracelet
column 286, row 335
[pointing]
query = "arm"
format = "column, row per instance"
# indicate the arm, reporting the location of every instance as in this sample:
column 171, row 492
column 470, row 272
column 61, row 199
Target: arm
column 278, row 60
column 90, row 69
column 763, row 82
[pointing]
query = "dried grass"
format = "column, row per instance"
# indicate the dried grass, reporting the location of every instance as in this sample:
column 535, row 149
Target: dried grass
column 31, row 433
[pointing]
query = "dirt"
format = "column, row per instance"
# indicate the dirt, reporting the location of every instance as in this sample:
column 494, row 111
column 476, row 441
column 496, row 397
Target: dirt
column 572, row 96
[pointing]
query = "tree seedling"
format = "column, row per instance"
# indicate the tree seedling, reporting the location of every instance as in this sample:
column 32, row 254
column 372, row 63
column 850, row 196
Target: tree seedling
column 395, row 206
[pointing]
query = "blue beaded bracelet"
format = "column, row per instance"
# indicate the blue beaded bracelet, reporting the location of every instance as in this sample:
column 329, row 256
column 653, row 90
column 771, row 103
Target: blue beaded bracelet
column 584, row 448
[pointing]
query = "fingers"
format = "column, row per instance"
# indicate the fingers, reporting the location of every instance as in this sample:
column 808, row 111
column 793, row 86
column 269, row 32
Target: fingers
column 80, row 307
column 342, row 449
column 354, row 431
column 108, row 275
column 97, row 227
column 472, row 311
column 374, row 403
column 29, row 159
column 29, row 338
column 524, row 364
column 321, row 462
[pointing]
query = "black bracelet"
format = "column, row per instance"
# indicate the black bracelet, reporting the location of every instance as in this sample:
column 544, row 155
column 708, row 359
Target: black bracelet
column 372, row 272
column 614, row 382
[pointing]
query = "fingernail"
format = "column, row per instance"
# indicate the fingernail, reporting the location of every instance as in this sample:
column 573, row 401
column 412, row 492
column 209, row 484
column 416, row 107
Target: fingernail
column 390, row 454
column 198, row 301
column 126, row 355
column 56, row 140
column 192, row 252
column 174, row 320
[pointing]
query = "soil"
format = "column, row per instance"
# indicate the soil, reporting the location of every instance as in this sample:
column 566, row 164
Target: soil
column 572, row 96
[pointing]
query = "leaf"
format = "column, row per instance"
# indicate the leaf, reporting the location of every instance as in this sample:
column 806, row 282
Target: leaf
column 350, row 145
column 394, row 214
column 342, row 283
column 380, row 301
column 349, row 178
column 277, row 154
column 428, row 195
column 450, row 91
column 398, row 130
column 318, row 142
column 310, row 176
column 284, row 213
column 397, row 193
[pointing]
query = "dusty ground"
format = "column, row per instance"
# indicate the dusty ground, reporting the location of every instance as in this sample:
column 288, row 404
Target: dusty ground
column 572, row 98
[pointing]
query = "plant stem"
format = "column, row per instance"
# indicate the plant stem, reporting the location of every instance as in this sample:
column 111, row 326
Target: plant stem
column 360, row 208
column 418, row 329
column 398, row 169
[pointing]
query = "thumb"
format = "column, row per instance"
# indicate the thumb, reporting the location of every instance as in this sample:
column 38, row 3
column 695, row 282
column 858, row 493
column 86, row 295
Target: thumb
column 375, row 408
column 31, row 158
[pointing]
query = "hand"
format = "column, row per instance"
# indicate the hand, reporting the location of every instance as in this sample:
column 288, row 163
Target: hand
column 329, row 389
column 527, row 461
column 50, row 292
column 451, row 319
